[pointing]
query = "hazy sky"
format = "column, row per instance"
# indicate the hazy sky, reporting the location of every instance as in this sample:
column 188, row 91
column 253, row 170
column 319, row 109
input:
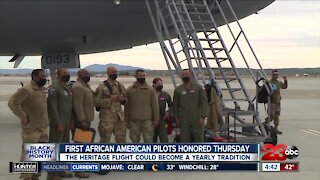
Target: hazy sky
column 285, row 34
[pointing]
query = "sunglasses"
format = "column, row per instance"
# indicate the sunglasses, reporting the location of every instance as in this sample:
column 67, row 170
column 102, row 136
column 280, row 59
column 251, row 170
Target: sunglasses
column 275, row 74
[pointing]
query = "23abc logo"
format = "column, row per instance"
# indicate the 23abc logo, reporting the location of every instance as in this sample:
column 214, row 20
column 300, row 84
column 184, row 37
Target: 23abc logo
column 279, row 152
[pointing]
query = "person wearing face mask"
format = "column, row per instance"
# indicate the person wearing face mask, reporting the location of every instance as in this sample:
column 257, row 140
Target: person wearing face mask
column 164, row 100
column 141, row 109
column 60, row 112
column 276, row 98
column 29, row 104
column 83, row 105
column 190, row 108
column 110, row 95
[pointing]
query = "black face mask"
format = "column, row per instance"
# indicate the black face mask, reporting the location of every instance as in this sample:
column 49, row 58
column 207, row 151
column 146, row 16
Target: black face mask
column 41, row 82
column 159, row 88
column 186, row 79
column 65, row 78
column 86, row 79
column 141, row 80
column 113, row 76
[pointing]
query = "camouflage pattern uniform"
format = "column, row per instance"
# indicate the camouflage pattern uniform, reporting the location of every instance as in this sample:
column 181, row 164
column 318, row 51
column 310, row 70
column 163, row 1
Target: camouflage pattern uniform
column 141, row 111
column 276, row 99
column 189, row 105
column 30, row 101
column 83, row 102
column 164, row 99
column 111, row 114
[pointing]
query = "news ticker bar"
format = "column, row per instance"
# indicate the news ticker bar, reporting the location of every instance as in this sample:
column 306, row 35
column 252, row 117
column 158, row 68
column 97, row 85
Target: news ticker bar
column 35, row 167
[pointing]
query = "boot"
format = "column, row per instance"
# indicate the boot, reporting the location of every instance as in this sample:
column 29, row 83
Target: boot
column 277, row 130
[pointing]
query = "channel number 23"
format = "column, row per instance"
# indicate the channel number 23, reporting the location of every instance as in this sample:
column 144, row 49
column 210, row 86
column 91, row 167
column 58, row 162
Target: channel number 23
column 274, row 153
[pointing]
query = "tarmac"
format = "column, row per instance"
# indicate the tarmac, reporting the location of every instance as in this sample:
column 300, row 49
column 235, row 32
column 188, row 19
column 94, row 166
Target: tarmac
column 299, row 121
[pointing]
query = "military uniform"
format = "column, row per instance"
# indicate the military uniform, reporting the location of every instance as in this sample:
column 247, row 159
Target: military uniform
column 276, row 100
column 164, row 99
column 189, row 106
column 83, row 102
column 141, row 111
column 111, row 114
column 83, row 108
column 30, row 101
column 59, row 111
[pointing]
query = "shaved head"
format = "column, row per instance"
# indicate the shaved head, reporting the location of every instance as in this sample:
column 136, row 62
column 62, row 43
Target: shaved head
column 111, row 70
column 62, row 72
column 83, row 73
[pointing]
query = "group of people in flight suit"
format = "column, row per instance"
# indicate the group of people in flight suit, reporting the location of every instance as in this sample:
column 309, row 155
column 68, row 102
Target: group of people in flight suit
column 141, row 107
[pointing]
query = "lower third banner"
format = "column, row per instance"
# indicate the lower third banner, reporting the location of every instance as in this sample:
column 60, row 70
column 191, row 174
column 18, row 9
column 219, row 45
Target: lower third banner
column 94, row 167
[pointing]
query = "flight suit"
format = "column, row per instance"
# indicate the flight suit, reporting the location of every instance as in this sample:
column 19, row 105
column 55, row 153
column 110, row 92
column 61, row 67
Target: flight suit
column 30, row 101
column 189, row 106
column 83, row 102
column 164, row 100
column 111, row 114
column 141, row 111
column 276, row 100
column 59, row 111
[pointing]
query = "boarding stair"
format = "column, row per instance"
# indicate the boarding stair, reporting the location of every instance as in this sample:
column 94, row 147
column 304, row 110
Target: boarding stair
column 189, row 37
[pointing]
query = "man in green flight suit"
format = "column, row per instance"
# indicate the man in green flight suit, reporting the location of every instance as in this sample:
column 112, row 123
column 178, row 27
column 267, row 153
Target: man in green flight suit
column 190, row 108
column 59, row 111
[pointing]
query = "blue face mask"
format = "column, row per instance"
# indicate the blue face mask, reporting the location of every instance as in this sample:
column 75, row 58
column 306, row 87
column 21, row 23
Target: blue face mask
column 274, row 86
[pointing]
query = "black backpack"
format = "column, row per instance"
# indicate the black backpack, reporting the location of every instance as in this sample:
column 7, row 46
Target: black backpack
column 262, row 92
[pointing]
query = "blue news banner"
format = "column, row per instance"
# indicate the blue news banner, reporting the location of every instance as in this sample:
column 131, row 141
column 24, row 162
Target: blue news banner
column 145, row 157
